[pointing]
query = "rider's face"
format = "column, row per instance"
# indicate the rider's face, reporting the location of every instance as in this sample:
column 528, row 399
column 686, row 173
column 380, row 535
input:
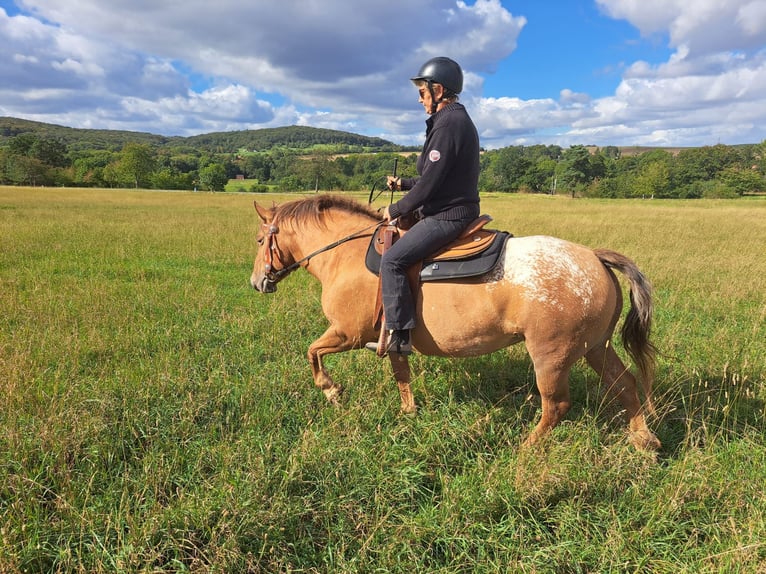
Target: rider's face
column 425, row 95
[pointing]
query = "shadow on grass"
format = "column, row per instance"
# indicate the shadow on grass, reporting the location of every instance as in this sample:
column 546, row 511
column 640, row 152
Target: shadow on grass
column 692, row 413
column 506, row 381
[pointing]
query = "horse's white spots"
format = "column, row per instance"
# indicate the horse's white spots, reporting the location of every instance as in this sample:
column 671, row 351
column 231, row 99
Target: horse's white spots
column 548, row 269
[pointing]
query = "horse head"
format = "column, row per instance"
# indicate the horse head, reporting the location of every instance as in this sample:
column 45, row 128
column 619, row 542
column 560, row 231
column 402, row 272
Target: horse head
column 271, row 262
column 285, row 229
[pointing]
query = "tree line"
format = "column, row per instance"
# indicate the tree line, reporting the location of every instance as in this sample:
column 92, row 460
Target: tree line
column 710, row 171
column 312, row 159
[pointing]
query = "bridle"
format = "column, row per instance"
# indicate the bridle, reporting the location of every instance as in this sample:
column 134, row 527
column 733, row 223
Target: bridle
column 270, row 231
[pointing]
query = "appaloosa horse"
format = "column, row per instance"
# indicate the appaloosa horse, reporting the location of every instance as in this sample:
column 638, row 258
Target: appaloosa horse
column 562, row 299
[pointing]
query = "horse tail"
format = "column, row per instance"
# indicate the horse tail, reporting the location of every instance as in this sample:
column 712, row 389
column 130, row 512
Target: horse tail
column 638, row 324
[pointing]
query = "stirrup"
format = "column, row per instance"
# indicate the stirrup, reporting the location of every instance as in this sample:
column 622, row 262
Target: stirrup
column 390, row 344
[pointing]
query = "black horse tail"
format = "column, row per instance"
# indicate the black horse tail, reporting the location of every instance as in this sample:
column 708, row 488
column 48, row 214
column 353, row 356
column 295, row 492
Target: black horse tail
column 638, row 324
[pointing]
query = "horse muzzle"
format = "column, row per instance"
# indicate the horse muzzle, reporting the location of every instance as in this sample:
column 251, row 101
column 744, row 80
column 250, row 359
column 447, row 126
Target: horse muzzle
column 260, row 282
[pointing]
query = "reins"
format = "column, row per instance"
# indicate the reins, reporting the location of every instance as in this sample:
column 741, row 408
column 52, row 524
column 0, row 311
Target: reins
column 372, row 190
column 279, row 274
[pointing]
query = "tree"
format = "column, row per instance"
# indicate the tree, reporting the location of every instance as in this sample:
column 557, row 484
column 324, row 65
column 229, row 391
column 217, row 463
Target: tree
column 743, row 181
column 110, row 175
column 509, row 166
column 166, row 178
column 213, row 177
column 577, row 164
column 759, row 152
column 705, row 163
column 539, row 176
column 26, row 170
column 136, row 164
column 573, row 171
column 607, row 187
column 319, row 169
column 257, row 166
column 88, row 169
column 22, row 144
column 50, row 151
column 653, row 180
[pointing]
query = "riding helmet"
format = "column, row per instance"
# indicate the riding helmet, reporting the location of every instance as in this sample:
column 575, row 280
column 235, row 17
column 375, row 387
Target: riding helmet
column 444, row 71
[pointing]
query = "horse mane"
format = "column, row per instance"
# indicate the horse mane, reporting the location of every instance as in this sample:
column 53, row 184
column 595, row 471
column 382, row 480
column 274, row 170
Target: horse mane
column 315, row 208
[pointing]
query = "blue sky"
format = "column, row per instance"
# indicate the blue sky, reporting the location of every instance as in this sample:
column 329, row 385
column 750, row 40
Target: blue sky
column 565, row 72
column 571, row 44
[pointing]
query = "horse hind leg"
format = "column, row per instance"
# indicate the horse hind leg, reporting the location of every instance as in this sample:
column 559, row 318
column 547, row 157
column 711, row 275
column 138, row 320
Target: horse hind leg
column 621, row 386
column 553, row 384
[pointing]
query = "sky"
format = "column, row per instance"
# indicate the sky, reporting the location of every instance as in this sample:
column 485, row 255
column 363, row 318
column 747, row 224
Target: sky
column 562, row 72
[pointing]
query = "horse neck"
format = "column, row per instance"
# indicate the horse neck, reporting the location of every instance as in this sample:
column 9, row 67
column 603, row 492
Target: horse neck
column 309, row 237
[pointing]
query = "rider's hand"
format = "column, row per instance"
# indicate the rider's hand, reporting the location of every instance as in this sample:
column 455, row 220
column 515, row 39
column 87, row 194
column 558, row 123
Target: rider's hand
column 394, row 183
column 386, row 215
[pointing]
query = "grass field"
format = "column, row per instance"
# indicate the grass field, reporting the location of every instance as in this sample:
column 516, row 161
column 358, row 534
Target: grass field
column 157, row 415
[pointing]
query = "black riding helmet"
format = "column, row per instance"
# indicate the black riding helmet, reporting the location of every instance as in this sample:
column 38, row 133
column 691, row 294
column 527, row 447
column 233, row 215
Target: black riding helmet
column 442, row 71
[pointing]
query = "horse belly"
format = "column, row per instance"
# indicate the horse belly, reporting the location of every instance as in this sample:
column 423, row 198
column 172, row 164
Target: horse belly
column 466, row 319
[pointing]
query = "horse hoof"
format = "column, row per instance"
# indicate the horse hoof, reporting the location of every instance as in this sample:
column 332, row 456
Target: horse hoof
column 334, row 394
column 408, row 410
column 645, row 440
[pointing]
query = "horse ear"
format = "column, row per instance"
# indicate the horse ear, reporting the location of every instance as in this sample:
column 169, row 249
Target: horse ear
column 263, row 213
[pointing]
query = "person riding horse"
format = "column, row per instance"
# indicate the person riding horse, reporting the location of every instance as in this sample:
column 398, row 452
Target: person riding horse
column 445, row 195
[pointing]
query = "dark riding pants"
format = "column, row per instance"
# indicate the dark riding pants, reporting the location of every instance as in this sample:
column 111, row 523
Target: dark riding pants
column 424, row 239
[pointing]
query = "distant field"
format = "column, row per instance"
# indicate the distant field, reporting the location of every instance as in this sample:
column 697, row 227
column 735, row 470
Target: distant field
column 247, row 185
column 157, row 415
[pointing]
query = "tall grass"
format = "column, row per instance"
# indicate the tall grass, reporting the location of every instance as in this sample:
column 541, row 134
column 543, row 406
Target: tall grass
column 156, row 415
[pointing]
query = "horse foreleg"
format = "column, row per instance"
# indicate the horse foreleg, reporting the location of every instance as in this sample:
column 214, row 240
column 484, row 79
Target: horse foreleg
column 553, row 384
column 401, row 367
column 621, row 385
column 330, row 342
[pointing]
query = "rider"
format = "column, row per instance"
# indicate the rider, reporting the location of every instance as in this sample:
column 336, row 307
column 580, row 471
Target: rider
column 445, row 195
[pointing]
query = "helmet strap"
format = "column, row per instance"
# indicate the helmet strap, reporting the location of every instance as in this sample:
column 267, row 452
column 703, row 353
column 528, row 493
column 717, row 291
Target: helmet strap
column 434, row 103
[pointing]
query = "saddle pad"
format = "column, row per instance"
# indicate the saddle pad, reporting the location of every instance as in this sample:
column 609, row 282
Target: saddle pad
column 443, row 269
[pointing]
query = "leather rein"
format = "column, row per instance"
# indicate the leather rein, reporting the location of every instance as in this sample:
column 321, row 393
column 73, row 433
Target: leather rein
column 270, row 244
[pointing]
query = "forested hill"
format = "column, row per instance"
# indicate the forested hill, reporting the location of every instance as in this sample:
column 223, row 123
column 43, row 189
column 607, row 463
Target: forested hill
column 293, row 137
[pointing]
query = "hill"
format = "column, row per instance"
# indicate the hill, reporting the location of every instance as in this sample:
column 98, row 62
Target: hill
column 293, row 137
column 76, row 138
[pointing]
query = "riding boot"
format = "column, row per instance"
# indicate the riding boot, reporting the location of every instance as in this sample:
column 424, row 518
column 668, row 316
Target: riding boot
column 398, row 342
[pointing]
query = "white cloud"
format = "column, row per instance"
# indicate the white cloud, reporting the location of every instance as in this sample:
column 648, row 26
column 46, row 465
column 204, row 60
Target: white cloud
column 294, row 52
column 281, row 46
column 193, row 67
column 711, row 89
column 702, row 26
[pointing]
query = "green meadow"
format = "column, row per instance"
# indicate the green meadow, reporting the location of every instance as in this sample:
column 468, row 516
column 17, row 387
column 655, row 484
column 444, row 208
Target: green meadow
column 158, row 415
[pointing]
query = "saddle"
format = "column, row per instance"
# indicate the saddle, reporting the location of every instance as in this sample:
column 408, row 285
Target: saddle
column 474, row 252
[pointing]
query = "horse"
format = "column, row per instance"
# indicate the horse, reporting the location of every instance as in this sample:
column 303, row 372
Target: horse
column 561, row 298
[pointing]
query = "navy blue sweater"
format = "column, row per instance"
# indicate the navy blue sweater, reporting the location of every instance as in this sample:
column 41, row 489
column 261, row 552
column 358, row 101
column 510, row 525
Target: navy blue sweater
column 448, row 168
